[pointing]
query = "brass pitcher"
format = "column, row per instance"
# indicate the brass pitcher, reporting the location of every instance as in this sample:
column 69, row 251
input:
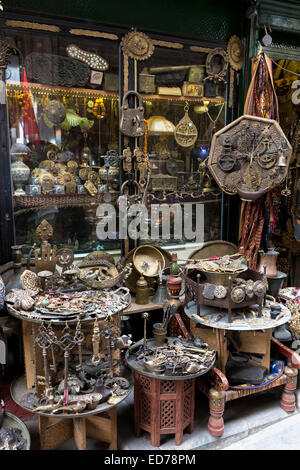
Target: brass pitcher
column 142, row 291
column 269, row 260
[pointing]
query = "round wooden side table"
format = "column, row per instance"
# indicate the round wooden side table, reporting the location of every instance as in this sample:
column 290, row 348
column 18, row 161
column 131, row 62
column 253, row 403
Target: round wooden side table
column 163, row 404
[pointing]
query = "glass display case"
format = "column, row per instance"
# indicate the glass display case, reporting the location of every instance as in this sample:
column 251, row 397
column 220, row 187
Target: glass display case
column 178, row 94
column 63, row 108
column 64, row 93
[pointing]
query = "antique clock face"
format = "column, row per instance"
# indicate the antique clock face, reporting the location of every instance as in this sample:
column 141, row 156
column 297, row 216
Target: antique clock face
column 137, row 45
column 249, row 157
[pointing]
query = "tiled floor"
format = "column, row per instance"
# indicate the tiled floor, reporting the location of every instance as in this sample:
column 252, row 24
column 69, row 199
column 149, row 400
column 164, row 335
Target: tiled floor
column 242, row 417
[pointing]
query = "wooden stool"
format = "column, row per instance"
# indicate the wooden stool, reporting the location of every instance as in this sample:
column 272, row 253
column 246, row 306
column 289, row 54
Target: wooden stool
column 163, row 407
column 55, row 431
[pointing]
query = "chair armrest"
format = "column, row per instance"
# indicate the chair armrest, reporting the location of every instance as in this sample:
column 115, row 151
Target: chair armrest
column 292, row 356
column 220, row 380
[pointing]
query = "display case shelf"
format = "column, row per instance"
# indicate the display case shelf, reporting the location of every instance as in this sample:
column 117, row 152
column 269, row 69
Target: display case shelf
column 39, row 89
column 60, row 200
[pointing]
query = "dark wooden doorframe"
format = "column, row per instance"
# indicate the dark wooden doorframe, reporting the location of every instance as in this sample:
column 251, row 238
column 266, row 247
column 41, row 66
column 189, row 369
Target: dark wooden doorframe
column 7, row 232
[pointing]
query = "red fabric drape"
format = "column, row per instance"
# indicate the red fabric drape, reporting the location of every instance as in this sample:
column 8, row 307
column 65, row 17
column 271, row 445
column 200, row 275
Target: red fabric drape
column 31, row 129
column 261, row 100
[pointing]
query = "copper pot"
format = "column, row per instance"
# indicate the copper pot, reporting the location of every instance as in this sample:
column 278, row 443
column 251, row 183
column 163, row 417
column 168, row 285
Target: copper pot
column 269, row 260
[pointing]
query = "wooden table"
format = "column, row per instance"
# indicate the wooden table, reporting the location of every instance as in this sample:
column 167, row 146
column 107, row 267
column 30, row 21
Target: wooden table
column 162, row 404
column 252, row 339
column 54, row 430
column 137, row 308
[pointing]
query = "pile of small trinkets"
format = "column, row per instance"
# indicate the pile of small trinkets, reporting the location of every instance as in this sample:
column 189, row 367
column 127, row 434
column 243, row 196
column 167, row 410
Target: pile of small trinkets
column 87, row 304
column 78, row 383
column 224, row 264
column 11, row 437
column 177, row 357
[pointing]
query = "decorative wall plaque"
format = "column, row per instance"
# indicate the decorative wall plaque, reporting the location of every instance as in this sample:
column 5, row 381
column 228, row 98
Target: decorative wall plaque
column 137, row 45
column 235, row 52
column 249, row 157
column 216, row 65
column 95, row 61
column 44, row 230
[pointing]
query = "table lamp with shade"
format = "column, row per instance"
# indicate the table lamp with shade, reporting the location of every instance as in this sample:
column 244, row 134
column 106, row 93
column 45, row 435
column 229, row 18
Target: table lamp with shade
column 160, row 127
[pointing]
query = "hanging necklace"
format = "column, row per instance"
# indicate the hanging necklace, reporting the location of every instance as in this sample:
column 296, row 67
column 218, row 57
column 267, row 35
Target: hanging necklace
column 214, row 121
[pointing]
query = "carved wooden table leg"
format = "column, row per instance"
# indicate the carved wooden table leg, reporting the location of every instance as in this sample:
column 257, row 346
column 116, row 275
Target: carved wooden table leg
column 288, row 399
column 54, row 432
column 79, row 430
column 216, row 406
column 163, row 407
column 137, row 398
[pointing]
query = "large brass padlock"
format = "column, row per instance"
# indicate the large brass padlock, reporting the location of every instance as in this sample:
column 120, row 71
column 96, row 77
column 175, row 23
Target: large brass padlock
column 132, row 119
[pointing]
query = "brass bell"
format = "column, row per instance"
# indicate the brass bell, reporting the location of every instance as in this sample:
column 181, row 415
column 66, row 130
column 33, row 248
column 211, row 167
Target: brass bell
column 281, row 160
column 86, row 155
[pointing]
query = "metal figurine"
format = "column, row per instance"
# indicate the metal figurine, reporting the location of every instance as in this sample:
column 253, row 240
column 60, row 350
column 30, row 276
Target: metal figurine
column 43, row 341
column 145, row 315
column 66, row 343
column 95, row 340
column 79, row 338
column 53, row 339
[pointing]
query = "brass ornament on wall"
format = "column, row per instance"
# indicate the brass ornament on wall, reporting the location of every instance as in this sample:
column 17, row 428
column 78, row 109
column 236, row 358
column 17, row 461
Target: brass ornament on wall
column 137, row 45
column 216, row 65
column 235, row 52
column 186, row 132
column 245, row 157
column 44, row 230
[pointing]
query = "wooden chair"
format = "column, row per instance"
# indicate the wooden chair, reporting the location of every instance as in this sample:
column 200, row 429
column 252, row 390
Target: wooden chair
column 216, row 387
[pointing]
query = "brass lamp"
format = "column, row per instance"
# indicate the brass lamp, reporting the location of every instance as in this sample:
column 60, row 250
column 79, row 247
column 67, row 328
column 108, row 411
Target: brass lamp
column 161, row 127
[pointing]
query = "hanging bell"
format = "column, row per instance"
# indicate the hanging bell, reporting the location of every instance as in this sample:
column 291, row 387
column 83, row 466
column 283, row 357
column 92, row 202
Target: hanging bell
column 281, row 160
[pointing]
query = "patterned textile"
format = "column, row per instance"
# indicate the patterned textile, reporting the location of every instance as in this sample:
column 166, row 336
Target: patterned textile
column 277, row 369
column 2, row 293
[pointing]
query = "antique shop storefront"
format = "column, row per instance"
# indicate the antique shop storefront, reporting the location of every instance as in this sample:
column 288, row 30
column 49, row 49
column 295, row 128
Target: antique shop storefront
column 72, row 162
column 106, row 114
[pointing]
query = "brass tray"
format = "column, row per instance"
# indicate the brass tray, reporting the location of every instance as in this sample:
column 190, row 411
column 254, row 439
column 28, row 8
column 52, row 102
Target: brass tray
column 132, row 279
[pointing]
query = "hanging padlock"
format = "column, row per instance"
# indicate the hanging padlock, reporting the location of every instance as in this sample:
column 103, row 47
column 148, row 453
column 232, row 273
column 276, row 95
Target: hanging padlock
column 132, row 122
column 133, row 198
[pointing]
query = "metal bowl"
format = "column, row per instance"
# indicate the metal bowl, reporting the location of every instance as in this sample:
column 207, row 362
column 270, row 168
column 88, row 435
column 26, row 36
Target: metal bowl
column 146, row 260
column 158, row 369
column 11, row 420
column 221, row 278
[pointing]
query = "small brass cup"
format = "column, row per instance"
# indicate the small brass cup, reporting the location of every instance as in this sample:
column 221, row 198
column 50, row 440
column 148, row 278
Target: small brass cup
column 159, row 333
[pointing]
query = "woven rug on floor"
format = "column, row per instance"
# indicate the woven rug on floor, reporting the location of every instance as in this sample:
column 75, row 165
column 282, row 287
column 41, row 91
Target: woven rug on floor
column 11, row 406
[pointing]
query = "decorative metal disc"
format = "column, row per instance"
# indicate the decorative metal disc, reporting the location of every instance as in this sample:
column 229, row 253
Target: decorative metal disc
column 227, row 162
column 137, row 45
column 235, row 52
column 238, row 295
column 185, row 132
column 259, row 288
column 44, row 230
column 220, row 292
column 55, row 112
column 64, row 257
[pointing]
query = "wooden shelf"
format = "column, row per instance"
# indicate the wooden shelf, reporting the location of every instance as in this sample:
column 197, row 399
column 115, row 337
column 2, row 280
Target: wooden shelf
column 61, row 200
column 196, row 99
column 136, row 308
column 39, row 89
